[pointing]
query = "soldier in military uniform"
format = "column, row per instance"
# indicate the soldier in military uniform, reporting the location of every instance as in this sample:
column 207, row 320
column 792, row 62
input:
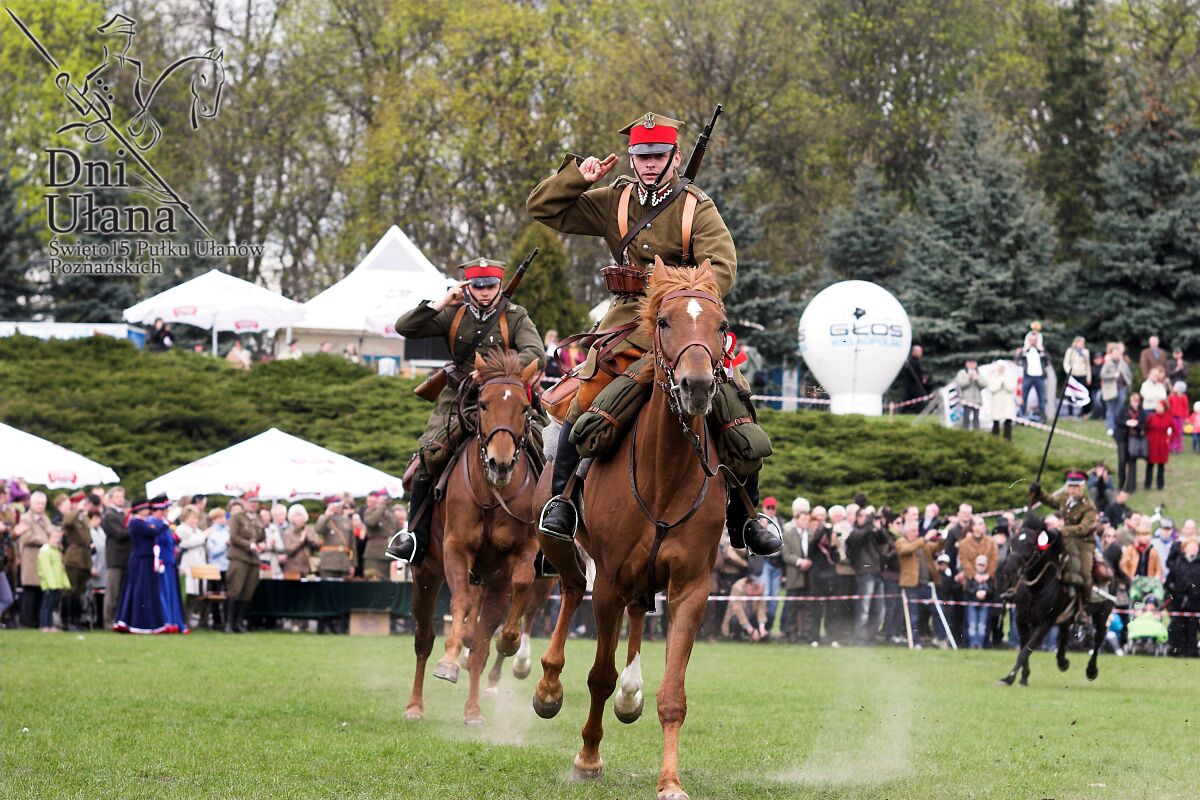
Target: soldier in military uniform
column 246, row 537
column 378, row 523
column 338, row 555
column 459, row 317
column 1078, row 514
column 77, row 557
column 688, row 231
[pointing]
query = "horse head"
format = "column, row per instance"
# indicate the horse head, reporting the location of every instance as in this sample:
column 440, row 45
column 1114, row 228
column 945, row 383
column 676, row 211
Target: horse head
column 504, row 408
column 684, row 316
column 208, row 80
column 1029, row 550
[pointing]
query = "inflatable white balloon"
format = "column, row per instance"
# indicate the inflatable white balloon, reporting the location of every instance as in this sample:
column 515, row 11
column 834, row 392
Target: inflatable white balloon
column 855, row 336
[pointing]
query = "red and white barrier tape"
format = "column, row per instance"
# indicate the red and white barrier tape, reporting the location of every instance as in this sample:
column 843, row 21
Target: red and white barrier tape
column 926, row 601
column 1069, row 434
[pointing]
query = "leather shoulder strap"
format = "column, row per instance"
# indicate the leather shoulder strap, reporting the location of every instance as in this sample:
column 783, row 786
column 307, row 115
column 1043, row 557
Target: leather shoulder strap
column 650, row 216
column 454, row 323
column 623, row 210
column 504, row 327
column 689, row 214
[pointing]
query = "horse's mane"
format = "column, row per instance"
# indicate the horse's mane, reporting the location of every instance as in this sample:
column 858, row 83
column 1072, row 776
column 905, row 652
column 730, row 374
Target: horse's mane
column 500, row 363
column 668, row 280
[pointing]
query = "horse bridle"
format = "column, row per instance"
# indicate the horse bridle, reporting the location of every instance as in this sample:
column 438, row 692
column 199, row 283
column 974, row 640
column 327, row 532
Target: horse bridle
column 519, row 441
column 671, row 387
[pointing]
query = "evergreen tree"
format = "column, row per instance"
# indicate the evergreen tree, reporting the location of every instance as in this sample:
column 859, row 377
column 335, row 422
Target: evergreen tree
column 979, row 261
column 1144, row 262
column 760, row 308
column 862, row 240
column 17, row 241
column 545, row 291
column 1073, row 139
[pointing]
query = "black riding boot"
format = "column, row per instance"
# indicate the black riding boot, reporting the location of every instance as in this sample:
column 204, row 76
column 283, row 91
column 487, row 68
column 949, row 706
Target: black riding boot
column 543, row 567
column 411, row 546
column 560, row 518
column 242, row 610
column 752, row 532
column 231, row 611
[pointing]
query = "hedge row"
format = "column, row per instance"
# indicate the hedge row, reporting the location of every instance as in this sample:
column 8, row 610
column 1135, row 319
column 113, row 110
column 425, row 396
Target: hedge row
column 144, row 414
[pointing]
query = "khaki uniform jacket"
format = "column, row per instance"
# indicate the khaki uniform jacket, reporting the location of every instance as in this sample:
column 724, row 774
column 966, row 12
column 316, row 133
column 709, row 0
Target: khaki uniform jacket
column 568, row 203
column 36, row 532
column 338, row 553
column 1078, row 516
column 909, row 552
column 378, row 523
column 245, row 529
column 77, row 541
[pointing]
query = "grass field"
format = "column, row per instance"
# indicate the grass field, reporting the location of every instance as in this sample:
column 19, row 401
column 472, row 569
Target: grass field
column 290, row 716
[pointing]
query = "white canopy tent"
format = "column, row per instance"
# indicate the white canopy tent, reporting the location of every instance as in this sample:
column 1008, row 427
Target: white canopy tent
column 278, row 466
column 219, row 302
column 390, row 280
column 37, row 460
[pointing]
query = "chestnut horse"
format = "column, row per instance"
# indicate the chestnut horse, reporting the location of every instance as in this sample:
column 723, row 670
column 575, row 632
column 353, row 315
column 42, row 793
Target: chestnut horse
column 652, row 520
column 483, row 527
column 523, row 664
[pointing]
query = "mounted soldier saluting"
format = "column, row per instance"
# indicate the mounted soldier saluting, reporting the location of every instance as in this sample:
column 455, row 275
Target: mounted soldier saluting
column 474, row 318
column 656, row 213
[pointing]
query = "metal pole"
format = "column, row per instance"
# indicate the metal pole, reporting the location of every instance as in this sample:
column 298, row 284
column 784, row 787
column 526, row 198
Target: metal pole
column 907, row 619
column 1053, row 425
column 214, row 339
column 937, row 605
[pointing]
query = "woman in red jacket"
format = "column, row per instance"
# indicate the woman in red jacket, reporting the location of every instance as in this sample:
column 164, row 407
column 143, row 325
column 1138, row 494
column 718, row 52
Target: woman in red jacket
column 1158, row 431
column 1177, row 407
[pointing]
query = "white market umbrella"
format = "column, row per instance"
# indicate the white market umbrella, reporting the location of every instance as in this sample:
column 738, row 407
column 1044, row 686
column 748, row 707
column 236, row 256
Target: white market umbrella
column 278, row 466
column 23, row 455
column 218, row 301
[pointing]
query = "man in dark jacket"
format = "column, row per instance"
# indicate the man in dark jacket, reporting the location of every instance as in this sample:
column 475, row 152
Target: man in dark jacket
column 1183, row 582
column 865, row 547
column 914, row 380
column 117, row 545
column 823, row 553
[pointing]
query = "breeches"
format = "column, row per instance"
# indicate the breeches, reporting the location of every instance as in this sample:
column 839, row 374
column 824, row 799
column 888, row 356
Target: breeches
column 241, row 580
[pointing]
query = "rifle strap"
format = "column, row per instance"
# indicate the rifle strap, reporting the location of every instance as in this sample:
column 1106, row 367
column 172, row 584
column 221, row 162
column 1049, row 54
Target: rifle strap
column 689, row 214
column 454, row 323
column 650, row 216
column 504, row 327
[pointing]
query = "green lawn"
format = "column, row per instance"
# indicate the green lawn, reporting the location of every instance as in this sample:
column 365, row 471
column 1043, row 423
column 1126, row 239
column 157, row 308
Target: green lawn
column 289, row 715
column 1181, row 497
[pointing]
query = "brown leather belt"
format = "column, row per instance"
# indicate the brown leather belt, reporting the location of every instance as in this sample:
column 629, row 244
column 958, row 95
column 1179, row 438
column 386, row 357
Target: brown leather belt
column 335, row 549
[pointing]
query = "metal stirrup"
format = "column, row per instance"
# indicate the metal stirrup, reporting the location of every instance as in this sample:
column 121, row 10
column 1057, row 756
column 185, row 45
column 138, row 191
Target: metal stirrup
column 555, row 534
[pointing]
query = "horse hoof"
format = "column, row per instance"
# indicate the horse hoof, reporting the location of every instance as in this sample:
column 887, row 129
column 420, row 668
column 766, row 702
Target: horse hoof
column 414, row 714
column 1004, row 682
column 447, row 671
column 1064, row 665
column 586, row 774
column 507, row 648
column 1093, row 673
column 473, row 720
column 1024, row 684
column 633, row 716
column 492, row 691
column 521, row 671
column 546, row 709
column 464, row 658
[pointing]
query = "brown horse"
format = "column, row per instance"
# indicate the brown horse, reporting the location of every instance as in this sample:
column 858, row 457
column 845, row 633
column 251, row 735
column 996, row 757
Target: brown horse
column 483, row 528
column 652, row 520
column 523, row 665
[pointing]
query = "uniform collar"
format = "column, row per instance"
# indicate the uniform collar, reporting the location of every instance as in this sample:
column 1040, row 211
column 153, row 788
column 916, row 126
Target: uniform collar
column 643, row 193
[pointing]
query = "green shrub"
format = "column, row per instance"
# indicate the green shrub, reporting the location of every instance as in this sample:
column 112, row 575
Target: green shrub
column 145, row 414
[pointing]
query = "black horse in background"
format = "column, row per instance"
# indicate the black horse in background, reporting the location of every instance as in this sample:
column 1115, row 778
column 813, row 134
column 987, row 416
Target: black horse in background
column 1034, row 567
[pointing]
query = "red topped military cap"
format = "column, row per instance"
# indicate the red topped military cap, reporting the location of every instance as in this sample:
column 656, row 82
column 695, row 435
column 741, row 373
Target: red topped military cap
column 1076, row 478
column 652, row 133
column 483, row 271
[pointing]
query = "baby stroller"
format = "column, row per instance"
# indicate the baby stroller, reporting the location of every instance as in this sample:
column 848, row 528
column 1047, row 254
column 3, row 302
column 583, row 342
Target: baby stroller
column 1148, row 624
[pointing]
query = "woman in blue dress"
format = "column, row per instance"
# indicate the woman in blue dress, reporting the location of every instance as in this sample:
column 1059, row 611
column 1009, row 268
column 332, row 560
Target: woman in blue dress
column 141, row 609
column 166, row 568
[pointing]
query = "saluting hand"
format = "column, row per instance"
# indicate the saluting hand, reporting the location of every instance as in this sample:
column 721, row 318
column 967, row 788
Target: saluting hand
column 454, row 297
column 593, row 169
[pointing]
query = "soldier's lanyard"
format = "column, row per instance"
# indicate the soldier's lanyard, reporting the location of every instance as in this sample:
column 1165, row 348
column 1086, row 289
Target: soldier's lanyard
column 649, row 217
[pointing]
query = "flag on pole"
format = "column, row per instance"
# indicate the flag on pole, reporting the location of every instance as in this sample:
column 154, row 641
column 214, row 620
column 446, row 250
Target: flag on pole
column 1076, row 393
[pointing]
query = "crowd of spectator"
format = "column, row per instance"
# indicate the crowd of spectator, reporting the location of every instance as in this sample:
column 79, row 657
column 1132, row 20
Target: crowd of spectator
column 859, row 575
column 63, row 561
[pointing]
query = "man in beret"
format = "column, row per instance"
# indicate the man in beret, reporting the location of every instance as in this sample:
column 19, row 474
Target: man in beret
column 246, row 537
column 467, row 313
column 689, row 231
column 1078, row 514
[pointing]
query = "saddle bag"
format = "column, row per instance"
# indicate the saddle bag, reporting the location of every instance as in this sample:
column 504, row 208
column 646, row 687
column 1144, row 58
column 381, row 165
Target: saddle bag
column 741, row 442
column 557, row 399
column 600, row 429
